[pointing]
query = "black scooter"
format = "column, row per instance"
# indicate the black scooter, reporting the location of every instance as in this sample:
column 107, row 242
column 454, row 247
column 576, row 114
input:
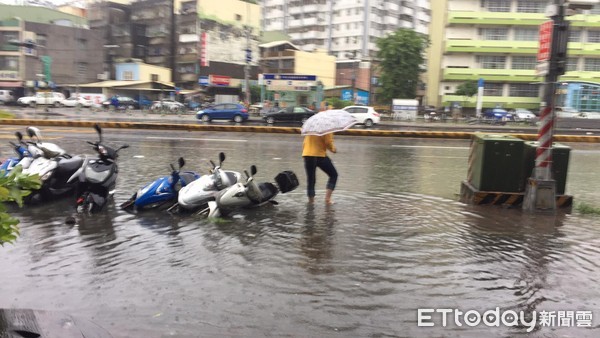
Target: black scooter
column 97, row 176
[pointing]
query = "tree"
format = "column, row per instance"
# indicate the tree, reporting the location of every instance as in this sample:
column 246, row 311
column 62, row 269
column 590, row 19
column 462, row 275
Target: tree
column 401, row 54
column 13, row 187
column 467, row 89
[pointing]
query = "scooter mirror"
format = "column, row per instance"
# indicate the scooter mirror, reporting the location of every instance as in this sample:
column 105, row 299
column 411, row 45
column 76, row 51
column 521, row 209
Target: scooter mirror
column 19, row 136
column 253, row 170
column 34, row 132
column 221, row 157
column 98, row 129
column 181, row 162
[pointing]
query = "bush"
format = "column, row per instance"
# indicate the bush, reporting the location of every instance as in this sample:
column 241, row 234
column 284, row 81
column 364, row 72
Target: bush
column 13, row 188
column 335, row 103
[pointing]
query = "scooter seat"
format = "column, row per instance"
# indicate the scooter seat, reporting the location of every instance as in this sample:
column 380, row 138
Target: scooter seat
column 268, row 190
column 68, row 165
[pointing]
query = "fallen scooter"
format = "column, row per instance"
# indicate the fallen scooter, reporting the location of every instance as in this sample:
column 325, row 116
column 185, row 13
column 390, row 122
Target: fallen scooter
column 96, row 178
column 53, row 165
column 162, row 192
column 251, row 194
column 196, row 195
column 20, row 150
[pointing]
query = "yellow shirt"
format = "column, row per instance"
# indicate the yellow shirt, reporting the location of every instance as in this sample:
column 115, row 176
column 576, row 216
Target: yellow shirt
column 317, row 145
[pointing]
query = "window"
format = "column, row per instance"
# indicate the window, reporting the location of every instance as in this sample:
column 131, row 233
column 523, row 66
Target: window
column 592, row 65
column 524, row 90
column 572, row 64
column 81, row 44
column 574, row 36
column 526, row 34
column 524, row 62
column 593, row 36
column 492, row 62
column 82, row 68
column 127, row 75
column 492, row 89
column 494, row 33
column 531, row 6
column 238, row 17
column 497, row 5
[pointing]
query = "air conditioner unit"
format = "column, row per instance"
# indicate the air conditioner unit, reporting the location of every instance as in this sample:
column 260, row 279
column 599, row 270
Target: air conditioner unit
column 102, row 76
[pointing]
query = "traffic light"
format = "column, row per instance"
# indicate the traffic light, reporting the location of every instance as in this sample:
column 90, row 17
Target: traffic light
column 248, row 55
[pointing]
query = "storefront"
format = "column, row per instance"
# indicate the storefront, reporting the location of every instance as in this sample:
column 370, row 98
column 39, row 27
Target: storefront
column 577, row 96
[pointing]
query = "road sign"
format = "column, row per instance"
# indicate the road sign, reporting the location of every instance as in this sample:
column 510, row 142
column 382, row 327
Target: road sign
column 545, row 41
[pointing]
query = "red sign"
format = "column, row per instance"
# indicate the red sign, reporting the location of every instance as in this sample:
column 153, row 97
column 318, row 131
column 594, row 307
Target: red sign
column 219, row 80
column 203, row 50
column 545, row 41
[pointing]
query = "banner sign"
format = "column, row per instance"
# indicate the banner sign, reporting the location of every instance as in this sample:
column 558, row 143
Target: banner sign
column 292, row 77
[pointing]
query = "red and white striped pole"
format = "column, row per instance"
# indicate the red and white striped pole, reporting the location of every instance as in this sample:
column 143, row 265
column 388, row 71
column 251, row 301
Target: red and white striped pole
column 543, row 157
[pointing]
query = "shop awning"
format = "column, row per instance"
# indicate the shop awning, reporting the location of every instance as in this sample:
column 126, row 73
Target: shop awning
column 11, row 84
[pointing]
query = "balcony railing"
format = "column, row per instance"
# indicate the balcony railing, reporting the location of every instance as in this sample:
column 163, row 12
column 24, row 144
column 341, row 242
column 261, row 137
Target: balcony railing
column 491, row 46
column 491, row 75
column 285, row 53
column 495, row 18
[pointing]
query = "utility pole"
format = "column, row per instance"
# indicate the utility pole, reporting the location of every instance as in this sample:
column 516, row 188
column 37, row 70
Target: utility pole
column 540, row 190
column 173, row 49
column 248, row 30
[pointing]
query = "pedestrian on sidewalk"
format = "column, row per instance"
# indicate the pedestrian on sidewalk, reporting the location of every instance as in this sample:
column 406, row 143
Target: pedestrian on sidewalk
column 314, row 153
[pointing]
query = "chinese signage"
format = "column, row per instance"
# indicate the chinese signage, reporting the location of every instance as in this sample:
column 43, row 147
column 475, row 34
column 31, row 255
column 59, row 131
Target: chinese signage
column 9, row 75
column 292, row 77
column 359, row 97
column 219, row 80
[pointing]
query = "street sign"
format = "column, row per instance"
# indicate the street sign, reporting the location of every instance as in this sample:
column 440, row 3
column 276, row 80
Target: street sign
column 545, row 41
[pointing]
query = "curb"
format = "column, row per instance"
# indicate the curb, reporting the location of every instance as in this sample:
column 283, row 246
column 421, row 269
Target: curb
column 283, row 130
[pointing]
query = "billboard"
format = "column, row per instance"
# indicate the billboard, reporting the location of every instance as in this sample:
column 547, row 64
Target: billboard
column 359, row 97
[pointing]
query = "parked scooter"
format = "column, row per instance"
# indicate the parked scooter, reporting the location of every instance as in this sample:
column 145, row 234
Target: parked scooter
column 196, row 195
column 251, row 194
column 96, row 178
column 162, row 192
column 20, row 150
column 52, row 164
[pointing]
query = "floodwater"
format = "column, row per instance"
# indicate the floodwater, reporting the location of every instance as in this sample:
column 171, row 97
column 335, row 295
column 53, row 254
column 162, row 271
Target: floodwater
column 396, row 240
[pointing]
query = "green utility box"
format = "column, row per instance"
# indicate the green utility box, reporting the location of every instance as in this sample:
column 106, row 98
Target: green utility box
column 560, row 163
column 496, row 163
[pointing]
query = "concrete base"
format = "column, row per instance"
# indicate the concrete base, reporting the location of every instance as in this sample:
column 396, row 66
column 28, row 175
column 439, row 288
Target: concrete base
column 540, row 195
column 470, row 195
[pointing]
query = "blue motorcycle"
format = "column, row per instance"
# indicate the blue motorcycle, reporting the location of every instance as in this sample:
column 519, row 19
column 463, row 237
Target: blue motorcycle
column 21, row 151
column 162, row 192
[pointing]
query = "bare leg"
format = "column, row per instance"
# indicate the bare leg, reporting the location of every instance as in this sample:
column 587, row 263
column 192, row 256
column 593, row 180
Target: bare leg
column 328, row 194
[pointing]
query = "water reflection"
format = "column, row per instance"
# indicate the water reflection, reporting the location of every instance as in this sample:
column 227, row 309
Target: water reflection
column 317, row 239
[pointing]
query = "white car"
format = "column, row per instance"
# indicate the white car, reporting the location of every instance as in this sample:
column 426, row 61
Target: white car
column 168, row 105
column 522, row 114
column 364, row 115
column 42, row 98
column 77, row 101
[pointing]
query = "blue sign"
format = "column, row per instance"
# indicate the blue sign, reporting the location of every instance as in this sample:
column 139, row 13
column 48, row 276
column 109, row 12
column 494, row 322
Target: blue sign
column 360, row 96
column 292, row 77
column 248, row 55
column 203, row 80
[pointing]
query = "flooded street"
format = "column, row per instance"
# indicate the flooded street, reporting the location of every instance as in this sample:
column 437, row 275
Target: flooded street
column 396, row 240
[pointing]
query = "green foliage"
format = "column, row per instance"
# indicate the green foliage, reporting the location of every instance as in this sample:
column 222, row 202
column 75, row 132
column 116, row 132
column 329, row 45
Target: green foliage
column 13, row 188
column 402, row 59
column 336, row 103
column 587, row 209
column 6, row 115
column 254, row 93
column 467, row 89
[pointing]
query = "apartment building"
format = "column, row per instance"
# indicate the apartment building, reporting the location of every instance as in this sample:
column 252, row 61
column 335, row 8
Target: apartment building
column 497, row 41
column 343, row 28
column 65, row 51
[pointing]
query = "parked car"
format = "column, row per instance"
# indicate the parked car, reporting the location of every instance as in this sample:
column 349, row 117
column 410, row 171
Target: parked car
column 522, row 114
column 497, row 114
column 144, row 102
column 223, row 111
column 42, row 98
column 167, row 105
column 77, row 102
column 124, row 102
column 289, row 114
column 364, row 115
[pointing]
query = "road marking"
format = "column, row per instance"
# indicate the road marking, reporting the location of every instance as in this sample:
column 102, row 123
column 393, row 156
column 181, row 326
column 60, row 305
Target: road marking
column 194, row 139
column 430, row 147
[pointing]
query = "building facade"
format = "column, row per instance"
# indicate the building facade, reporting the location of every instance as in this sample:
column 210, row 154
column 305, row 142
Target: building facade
column 497, row 41
column 59, row 48
column 343, row 27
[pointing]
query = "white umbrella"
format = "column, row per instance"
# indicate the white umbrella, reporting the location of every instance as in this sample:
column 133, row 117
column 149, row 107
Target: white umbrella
column 328, row 121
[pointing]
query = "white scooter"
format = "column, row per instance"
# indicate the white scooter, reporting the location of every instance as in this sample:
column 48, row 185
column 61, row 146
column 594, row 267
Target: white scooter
column 52, row 164
column 198, row 193
column 251, row 194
